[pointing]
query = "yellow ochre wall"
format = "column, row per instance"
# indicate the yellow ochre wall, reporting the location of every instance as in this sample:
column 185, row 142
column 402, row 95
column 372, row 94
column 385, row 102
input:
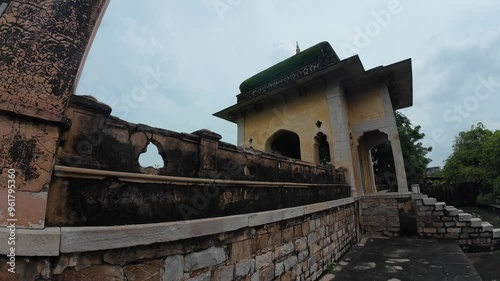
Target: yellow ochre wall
column 366, row 106
column 298, row 115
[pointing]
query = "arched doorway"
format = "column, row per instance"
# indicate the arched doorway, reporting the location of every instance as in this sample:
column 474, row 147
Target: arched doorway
column 284, row 143
column 321, row 149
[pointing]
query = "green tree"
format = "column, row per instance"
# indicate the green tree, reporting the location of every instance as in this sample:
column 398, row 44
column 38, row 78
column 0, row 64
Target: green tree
column 414, row 152
column 466, row 162
column 476, row 159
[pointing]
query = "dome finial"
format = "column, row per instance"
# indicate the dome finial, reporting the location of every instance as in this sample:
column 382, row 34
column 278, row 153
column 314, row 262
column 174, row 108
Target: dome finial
column 297, row 50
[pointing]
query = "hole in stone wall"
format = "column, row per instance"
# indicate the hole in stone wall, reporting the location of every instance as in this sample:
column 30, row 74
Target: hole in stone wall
column 151, row 157
column 249, row 171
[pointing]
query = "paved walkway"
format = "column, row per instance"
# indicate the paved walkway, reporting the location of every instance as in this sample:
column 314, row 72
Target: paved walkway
column 393, row 259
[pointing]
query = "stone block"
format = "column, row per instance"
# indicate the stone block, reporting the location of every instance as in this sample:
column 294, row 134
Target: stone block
column 209, row 257
column 305, row 228
column 290, row 262
column 487, row 226
column 475, row 222
column 438, row 213
column 264, row 260
column 496, row 233
column 288, row 234
column 451, row 211
column 267, row 274
column 224, row 273
column 145, row 271
column 416, row 196
column 312, row 238
column 429, row 201
column 97, row 272
column 284, row 250
column 205, row 276
column 244, row 268
column 454, row 230
column 430, row 230
column 240, row 250
column 303, row 256
column 173, row 268
column 300, row 244
column 298, row 231
column 279, row 268
column 439, row 206
column 464, row 217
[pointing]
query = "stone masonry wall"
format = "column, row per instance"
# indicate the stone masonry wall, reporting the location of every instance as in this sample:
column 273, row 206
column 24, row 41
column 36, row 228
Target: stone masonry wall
column 436, row 220
column 416, row 214
column 300, row 248
column 389, row 215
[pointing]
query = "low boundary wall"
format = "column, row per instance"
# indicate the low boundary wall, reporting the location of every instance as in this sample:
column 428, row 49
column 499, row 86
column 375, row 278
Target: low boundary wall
column 285, row 244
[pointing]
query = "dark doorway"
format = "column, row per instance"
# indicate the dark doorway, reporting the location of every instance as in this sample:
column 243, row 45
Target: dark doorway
column 287, row 144
column 322, row 149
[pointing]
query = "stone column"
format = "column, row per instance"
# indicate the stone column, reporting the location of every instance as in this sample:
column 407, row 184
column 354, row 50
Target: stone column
column 42, row 49
column 392, row 133
column 241, row 131
column 338, row 113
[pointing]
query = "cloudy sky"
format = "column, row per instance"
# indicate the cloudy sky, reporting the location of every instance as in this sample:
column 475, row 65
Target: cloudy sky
column 172, row 64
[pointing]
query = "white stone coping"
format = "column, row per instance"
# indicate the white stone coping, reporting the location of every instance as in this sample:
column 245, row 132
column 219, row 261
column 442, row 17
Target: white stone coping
column 54, row 240
column 72, row 172
column 31, row 242
column 388, row 195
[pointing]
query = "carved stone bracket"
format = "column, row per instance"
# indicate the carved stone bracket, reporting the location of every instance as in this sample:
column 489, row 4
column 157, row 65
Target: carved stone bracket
column 209, row 144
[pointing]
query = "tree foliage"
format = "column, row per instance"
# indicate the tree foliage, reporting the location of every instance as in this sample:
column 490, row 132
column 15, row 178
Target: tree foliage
column 414, row 152
column 475, row 158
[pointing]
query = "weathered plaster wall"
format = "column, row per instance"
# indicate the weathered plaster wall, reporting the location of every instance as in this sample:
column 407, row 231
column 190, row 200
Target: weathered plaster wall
column 284, row 245
column 42, row 45
column 365, row 105
column 298, row 115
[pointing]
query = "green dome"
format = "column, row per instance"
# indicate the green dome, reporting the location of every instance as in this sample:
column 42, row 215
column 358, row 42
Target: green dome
column 301, row 64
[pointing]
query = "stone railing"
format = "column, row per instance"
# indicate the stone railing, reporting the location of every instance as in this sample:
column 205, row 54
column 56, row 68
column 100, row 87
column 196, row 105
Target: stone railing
column 97, row 140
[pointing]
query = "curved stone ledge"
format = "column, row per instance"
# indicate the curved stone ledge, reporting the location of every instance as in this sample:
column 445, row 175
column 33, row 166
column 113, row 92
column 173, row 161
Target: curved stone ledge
column 72, row 172
column 55, row 240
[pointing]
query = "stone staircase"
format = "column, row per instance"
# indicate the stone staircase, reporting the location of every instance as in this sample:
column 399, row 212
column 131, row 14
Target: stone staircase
column 436, row 220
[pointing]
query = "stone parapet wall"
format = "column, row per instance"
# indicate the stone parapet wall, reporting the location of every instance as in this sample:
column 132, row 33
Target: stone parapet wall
column 97, row 140
column 289, row 244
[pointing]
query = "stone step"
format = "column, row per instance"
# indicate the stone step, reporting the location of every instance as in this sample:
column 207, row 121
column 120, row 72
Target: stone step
column 425, row 196
column 451, row 211
column 496, row 233
column 476, row 222
column 440, row 206
column 416, row 196
column 464, row 216
column 460, row 211
column 429, row 201
column 487, row 226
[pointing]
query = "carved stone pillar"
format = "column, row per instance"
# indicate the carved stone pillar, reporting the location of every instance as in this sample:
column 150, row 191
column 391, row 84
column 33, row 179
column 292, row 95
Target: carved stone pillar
column 209, row 144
